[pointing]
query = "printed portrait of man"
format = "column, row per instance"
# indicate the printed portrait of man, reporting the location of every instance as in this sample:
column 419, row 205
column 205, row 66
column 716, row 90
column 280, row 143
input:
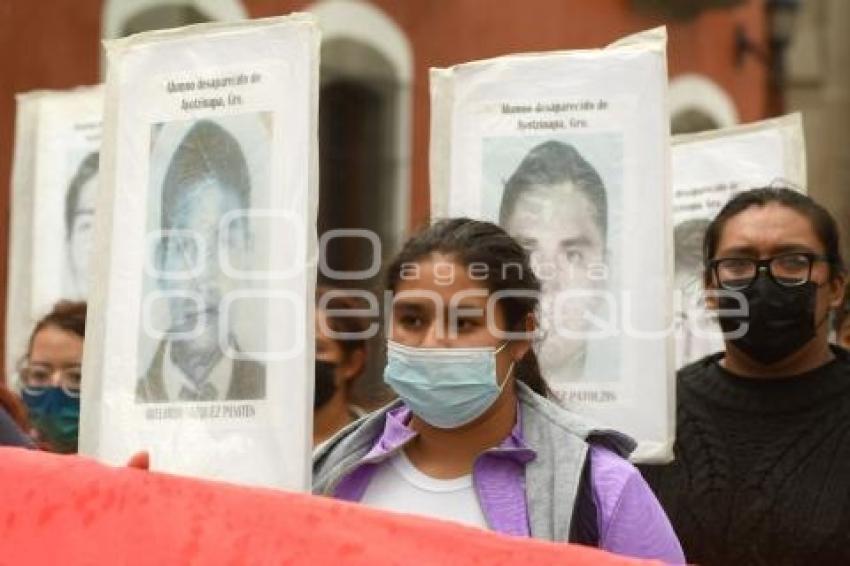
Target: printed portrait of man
column 696, row 327
column 555, row 205
column 79, row 224
column 206, row 178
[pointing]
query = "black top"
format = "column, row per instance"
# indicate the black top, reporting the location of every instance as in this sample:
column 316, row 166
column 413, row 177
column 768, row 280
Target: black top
column 762, row 469
column 10, row 434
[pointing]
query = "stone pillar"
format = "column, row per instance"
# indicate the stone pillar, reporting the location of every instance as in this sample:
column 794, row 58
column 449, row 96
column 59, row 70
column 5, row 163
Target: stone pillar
column 818, row 84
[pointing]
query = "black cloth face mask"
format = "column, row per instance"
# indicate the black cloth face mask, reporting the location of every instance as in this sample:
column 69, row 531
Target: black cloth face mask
column 325, row 383
column 781, row 320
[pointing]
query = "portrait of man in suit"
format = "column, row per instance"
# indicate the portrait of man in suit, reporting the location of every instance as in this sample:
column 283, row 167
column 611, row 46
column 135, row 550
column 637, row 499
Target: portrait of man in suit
column 206, row 185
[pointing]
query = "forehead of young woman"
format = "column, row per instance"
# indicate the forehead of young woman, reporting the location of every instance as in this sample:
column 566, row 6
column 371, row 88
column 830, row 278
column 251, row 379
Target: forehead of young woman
column 468, row 261
column 56, row 347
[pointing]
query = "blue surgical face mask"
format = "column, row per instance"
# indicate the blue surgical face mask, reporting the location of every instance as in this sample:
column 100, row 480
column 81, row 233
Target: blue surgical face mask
column 56, row 416
column 445, row 387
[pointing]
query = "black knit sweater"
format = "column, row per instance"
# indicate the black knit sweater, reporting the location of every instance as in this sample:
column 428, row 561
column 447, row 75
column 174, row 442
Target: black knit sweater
column 762, row 469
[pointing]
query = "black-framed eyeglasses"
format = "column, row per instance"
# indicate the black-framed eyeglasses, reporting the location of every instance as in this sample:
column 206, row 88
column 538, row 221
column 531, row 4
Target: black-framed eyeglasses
column 789, row 269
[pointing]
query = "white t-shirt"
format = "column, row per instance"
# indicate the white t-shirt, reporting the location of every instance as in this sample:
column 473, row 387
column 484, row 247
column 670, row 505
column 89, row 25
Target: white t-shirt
column 399, row 486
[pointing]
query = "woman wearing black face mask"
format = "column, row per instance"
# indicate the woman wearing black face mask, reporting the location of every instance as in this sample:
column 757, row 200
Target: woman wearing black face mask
column 762, row 459
column 341, row 354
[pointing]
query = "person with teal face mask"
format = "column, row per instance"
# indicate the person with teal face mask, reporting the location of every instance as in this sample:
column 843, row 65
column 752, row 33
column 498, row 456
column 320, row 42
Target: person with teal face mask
column 50, row 376
column 473, row 437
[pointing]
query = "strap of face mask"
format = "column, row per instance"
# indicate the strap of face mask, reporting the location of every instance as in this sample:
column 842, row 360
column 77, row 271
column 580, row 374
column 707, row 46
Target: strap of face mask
column 507, row 376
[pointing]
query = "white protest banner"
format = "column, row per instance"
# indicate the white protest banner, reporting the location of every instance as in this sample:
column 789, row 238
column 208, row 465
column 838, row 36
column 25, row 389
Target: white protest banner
column 54, row 189
column 199, row 346
column 709, row 168
column 568, row 151
column 19, row 290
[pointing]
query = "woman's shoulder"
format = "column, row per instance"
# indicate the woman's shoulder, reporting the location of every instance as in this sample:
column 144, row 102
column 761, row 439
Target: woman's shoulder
column 352, row 442
column 354, row 430
column 630, row 519
column 539, row 413
column 610, row 474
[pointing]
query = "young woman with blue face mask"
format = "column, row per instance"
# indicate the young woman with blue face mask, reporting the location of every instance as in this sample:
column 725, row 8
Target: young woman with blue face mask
column 50, row 376
column 473, row 438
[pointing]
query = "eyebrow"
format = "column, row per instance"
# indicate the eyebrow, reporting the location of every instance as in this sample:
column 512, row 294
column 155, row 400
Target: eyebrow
column 74, row 365
column 468, row 306
column 410, row 305
column 575, row 242
column 750, row 251
column 468, row 303
column 467, row 312
column 525, row 240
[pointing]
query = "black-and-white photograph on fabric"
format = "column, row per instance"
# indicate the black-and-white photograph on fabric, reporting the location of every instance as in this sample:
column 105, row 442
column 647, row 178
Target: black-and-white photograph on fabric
column 575, row 166
column 54, row 189
column 19, row 315
column 67, row 165
column 696, row 326
column 205, row 229
column 200, row 239
column 554, row 195
column 79, row 223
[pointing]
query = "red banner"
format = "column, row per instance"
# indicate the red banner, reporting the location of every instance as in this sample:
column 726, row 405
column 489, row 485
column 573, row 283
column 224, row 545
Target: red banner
column 71, row 510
